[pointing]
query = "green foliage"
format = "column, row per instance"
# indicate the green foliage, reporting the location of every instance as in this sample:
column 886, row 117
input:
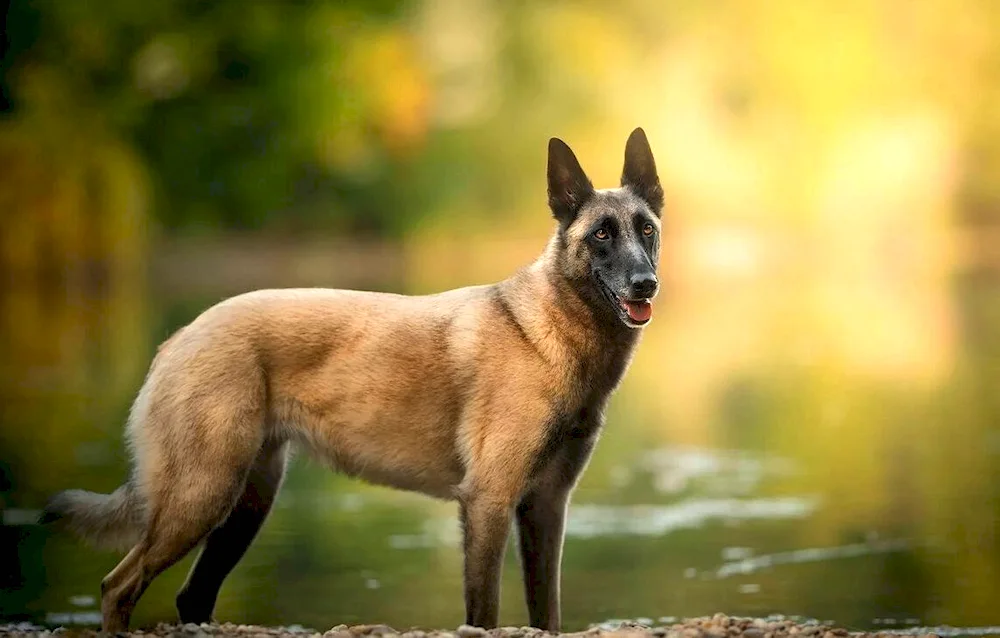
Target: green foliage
column 234, row 106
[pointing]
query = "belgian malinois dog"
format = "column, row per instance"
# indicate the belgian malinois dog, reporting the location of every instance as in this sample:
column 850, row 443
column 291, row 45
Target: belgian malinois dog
column 491, row 395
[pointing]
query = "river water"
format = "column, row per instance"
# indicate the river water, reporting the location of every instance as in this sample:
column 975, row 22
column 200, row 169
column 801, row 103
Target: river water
column 756, row 460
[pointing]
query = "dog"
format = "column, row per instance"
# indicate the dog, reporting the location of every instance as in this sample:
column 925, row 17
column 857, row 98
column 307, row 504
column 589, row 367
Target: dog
column 490, row 395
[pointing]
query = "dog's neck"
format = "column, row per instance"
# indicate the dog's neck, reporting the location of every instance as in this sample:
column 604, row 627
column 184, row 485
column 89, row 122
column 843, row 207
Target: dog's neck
column 562, row 316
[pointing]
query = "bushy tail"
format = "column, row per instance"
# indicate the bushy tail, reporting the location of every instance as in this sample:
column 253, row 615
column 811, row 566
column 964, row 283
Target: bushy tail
column 110, row 521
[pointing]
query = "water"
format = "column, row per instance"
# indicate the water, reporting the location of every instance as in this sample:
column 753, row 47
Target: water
column 768, row 477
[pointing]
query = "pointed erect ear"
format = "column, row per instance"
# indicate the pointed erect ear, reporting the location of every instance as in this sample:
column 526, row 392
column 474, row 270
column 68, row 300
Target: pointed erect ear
column 639, row 174
column 569, row 187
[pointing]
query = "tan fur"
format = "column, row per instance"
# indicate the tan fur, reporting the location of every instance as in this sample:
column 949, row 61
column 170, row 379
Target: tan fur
column 491, row 395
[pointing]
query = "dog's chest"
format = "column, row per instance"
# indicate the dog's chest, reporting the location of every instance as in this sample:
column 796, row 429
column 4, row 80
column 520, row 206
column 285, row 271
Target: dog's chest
column 598, row 376
column 581, row 413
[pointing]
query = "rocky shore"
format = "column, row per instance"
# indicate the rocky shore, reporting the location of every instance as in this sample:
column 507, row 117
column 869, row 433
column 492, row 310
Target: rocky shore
column 718, row 626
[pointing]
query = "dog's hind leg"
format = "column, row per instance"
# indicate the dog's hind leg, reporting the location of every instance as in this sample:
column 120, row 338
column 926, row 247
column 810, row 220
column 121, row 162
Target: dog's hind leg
column 194, row 467
column 179, row 520
column 118, row 582
column 227, row 543
column 122, row 588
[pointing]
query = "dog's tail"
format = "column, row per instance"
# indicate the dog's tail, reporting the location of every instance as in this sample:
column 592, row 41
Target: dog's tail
column 109, row 521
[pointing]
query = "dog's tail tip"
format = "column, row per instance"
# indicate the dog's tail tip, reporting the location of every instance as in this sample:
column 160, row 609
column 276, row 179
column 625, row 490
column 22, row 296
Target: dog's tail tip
column 50, row 514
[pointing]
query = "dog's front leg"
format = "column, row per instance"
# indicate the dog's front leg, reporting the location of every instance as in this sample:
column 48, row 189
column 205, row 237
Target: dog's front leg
column 504, row 445
column 541, row 518
column 541, row 522
column 486, row 524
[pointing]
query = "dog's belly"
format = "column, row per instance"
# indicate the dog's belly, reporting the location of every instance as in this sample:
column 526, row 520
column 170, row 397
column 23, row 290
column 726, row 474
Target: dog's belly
column 412, row 451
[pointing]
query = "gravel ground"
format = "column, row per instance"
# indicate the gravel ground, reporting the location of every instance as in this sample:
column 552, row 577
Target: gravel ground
column 718, row 626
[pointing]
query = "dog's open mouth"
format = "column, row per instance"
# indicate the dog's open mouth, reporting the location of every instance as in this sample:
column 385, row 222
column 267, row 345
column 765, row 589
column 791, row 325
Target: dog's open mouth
column 632, row 312
column 640, row 310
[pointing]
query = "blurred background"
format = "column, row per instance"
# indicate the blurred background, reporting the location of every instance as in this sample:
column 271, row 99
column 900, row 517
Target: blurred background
column 812, row 422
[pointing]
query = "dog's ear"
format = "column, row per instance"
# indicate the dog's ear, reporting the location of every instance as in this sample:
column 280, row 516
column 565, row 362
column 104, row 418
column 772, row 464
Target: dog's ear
column 569, row 186
column 639, row 174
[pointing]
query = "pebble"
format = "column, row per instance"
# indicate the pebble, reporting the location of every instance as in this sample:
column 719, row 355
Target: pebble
column 467, row 631
column 372, row 630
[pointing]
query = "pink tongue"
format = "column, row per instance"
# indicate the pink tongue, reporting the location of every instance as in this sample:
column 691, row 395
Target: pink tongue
column 639, row 311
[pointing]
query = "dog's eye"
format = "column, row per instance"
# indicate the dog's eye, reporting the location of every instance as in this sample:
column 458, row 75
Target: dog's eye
column 601, row 234
column 647, row 230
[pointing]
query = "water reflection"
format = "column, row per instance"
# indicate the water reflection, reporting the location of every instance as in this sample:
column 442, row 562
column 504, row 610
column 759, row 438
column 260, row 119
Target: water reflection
column 676, row 468
column 750, row 565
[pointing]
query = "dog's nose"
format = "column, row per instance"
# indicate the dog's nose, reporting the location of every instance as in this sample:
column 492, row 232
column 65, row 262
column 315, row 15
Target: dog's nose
column 643, row 286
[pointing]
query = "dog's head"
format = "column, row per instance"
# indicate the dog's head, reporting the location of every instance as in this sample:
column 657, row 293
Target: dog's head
column 609, row 239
